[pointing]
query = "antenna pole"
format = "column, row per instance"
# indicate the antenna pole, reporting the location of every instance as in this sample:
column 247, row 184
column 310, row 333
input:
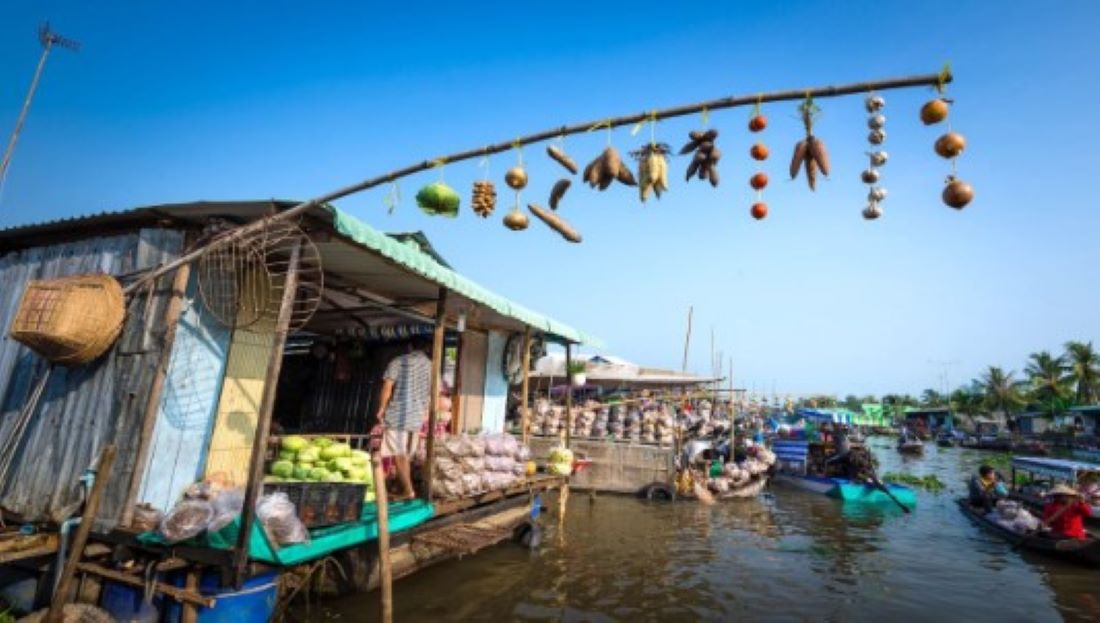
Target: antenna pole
column 48, row 40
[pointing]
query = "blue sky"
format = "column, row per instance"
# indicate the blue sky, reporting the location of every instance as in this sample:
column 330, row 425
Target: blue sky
column 184, row 101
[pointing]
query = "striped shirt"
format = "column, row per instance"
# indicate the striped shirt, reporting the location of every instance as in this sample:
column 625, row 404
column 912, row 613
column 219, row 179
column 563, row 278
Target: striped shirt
column 412, row 377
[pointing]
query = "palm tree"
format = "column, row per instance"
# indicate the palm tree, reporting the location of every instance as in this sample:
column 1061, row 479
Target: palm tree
column 1050, row 383
column 931, row 398
column 967, row 401
column 1002, row 391
column 1084, row 371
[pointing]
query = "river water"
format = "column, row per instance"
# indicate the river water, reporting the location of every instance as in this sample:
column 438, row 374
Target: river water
column 787, row 556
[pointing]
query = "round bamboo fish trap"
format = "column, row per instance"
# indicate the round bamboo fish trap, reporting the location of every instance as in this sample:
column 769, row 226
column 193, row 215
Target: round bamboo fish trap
column 70, row 320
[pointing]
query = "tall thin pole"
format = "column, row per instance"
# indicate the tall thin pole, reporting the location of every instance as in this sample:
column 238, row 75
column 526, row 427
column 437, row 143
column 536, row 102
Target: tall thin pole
column 687, row 341
column 48, row 39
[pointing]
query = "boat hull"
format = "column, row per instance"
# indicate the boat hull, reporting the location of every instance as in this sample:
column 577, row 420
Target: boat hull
column 1086, row 551
column 849, row 491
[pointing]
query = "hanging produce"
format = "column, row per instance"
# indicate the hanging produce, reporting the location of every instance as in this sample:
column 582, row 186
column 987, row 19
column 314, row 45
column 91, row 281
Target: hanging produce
column 652, row 169
column 562, row 158
column 809, row 153
column 950, row 145
column 606, row 168
column 705, row 161
column 438, row 199
column 957, row 194
column 516, row 178
column 759, row 210
column 484, row 198
column 558, row 191
column 877, row 122
column 934, row 111
column 759, row 151
column 759, row 181
column 516, row 220
column 758, row 121
column 555, row 222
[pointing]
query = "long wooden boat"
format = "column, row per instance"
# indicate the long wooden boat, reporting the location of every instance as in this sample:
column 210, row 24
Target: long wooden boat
column 848, row 490
column 912, row 446
column 1040, row 473
column 1084, row 551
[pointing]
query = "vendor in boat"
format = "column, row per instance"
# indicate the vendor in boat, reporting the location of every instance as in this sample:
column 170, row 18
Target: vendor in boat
column 843, row 448
column 985, row 489
column 1065, row 513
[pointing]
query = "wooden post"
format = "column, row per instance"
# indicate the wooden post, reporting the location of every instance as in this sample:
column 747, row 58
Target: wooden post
column 80, row 539
column 191, row 584
column 263, row 419
column 152, row 406
column 456, row 391
column 568, row 395
column 385, row 569
column 525, row 417
column 687, row 342
column 433, row 400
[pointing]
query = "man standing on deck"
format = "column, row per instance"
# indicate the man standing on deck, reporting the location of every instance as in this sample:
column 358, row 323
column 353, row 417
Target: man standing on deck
column 403, row 407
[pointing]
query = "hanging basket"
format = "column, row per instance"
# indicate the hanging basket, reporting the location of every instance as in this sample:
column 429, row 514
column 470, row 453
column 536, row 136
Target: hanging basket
column 71, row 320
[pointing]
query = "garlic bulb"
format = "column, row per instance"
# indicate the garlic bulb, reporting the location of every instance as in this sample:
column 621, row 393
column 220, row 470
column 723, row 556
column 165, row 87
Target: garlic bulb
column 872, row 211
column 876, row 122
column 878, row 158
column 869, row 176
column 876, row 137
column 876, row 194
column 874, row 103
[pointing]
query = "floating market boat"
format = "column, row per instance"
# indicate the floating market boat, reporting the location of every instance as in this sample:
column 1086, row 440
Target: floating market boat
column 1041, row 473
column 1085, row 551
column 793, row 459
column 910, row 445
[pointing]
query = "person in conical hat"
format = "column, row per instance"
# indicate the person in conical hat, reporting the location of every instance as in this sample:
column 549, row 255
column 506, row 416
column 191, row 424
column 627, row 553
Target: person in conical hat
column 1065, row 513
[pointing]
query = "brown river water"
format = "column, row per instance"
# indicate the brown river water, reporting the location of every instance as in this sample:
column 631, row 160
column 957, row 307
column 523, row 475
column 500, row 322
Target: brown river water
column 787, row 556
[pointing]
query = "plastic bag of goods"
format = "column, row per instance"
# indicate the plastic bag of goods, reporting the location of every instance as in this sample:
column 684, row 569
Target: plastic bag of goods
column 447, row 468
column 227, row 507
column 1008, row 509
column 523, row 453
column 472, row 464
column 494, row 445
column 519, row 469
column 511, row 445
column 471, row 483
column 187, row 519
column 477, row 446
column 277, row 514
column 1025, row 522
column 719, row 485
column 447, row 488
column 146, row 517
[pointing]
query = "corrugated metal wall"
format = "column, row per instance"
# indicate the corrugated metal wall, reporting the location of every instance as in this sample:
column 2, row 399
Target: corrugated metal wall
column 83, row 408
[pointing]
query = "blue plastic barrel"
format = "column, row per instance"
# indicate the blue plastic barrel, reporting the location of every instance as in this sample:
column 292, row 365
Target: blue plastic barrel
column 126, row 604
column 253, row 603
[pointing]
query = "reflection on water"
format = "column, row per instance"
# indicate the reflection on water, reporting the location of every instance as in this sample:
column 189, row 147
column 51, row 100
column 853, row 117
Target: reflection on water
column 788, row 556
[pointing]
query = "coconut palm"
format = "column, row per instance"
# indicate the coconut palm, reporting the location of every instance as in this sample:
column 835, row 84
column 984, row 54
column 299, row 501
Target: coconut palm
column 1002, row 391
column 1050, row 383
column 1084, row 371
column 967, row 401
column 931, row 398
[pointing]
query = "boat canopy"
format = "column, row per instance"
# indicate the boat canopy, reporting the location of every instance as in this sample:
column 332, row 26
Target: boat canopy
column 790, row 451
column 1064, row 469
column 836, row 416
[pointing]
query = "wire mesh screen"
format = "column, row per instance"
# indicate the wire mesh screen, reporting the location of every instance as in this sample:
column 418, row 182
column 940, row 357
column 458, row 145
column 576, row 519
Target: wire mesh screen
column 242, row 281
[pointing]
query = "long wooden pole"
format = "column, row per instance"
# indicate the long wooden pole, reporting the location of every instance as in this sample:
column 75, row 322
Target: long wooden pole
column 263, row 418
column 80, row 539
column 385, row 568
column 568, row 394
column 433, row 399
column 545, row 135
column 160, row 376
column 525, row 417
column 687, row 341
column 456, row 393
column 47, row 44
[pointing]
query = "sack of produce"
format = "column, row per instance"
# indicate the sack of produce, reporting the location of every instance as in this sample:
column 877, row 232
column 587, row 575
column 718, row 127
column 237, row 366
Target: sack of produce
column 494, row 445
column 471, row 482
column 447, row 468
column 279, row 518
column 448, row 488
column 227, row 507
column 186, row 520
column 472, row 464
column 1008, row 509
column 523, row 453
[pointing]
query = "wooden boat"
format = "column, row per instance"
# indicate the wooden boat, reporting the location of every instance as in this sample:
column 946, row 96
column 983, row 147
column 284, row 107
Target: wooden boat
column 947, row 439
column 792, row 457
column 1041, row 473
column 1085, row 551
column 910, row 446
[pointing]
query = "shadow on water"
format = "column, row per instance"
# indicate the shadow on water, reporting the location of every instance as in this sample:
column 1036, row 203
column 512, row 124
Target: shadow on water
column 787, row 556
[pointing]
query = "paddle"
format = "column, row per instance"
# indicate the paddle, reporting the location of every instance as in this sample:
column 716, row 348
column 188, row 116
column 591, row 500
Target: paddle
column 886, row 490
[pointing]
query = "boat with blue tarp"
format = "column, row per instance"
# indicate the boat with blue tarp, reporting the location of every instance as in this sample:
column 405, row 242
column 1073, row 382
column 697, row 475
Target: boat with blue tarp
column 802, row 464
column 1037, row 474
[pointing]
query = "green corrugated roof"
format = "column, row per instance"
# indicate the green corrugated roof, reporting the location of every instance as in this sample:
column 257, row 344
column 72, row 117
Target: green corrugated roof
column 412, row 258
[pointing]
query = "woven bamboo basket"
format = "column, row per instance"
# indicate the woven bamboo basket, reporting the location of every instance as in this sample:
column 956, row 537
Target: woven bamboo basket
column 71, row 320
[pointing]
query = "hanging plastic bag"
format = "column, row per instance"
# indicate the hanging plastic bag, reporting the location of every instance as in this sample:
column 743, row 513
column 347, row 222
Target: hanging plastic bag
column 227, row 507
column 280, row 519
column 186, row 520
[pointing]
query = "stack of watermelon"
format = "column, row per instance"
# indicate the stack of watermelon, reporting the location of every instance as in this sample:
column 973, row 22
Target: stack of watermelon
column 320, row 459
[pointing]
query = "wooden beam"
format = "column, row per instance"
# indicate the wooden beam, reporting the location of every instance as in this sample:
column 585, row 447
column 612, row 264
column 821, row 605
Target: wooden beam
column 456, row 391
column 568, row 394
column 263, row 420
column 181, row 595
column 525, row 418
column 433, row 399
column 80, row 539
column 160, row 376
column 385, row 568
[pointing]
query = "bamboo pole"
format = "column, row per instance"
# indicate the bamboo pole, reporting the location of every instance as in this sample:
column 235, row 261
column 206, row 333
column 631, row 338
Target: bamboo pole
column 433, row 399
column 568, row 394
column 385, row 569
column 190, row 614
column 160, row 376
column 579, row 128
column 687, row 341
column 525, row 417
column 80, row 539
column 263, row 420
column 456, row 394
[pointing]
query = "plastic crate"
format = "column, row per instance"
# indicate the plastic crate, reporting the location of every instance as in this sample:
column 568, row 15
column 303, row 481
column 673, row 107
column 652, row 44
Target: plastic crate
column 321, row 504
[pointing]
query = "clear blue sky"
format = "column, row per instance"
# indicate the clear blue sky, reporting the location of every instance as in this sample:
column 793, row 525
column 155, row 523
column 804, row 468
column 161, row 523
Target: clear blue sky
column 204, row 100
